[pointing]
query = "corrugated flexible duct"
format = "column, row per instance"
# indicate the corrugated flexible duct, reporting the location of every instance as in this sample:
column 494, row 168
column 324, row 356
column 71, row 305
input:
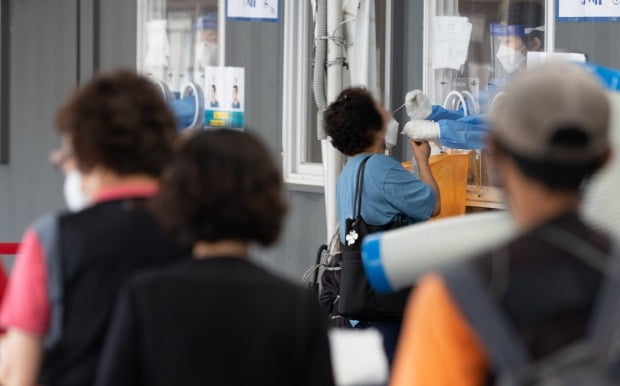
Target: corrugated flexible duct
column 320, row 58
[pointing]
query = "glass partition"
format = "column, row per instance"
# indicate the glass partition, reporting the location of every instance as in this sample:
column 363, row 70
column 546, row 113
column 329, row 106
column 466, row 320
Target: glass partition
column 472, row 48
column 177, row 39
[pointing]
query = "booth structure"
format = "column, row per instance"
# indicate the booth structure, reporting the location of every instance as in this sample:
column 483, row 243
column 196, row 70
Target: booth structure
column 175, row 40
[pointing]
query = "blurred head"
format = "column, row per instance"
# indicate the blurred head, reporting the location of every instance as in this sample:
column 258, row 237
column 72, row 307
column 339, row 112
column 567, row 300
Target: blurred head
column 207, row 25
column 552, row 126
column 117, row 122
column 355, row 121
column 235, row 92
column 222, row 185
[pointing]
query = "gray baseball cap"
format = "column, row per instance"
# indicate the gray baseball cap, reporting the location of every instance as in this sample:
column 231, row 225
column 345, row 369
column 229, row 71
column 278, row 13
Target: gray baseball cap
column 553, row 112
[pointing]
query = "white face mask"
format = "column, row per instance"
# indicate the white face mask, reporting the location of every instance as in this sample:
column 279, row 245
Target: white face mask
column 510, row 59
column 391, row 134
column 75, row 198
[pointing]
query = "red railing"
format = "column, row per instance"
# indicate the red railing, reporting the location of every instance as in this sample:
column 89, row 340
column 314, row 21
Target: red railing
column 9, row 248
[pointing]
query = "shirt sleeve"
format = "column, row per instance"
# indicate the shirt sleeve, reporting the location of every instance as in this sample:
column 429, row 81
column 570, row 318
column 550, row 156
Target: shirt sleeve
column 26, row 303
column 408, row 194
column 437, row 347
column 439, row 112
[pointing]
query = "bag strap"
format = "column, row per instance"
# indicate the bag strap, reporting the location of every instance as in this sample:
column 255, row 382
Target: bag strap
column 48, row 231
column 357, row 206
column 504, row 349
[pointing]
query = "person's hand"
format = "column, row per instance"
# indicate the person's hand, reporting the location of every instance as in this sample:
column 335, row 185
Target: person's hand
column 422, row 130
column 418, row 105
column 421, row 150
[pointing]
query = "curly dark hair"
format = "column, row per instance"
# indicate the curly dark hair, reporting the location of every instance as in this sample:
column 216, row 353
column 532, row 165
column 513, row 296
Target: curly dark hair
column 119, row 121
column 352, row 121
column 222, row 185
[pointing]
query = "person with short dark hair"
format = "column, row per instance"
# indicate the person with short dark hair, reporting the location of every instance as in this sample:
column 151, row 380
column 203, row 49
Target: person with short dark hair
column 549, row 134
column 357, row 125
column 213, row 102
column 236, row 104
column 117, row 136
column 218, row 318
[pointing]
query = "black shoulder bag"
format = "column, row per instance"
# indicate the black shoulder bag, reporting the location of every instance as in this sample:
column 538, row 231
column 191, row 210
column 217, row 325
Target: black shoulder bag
column 357, row 299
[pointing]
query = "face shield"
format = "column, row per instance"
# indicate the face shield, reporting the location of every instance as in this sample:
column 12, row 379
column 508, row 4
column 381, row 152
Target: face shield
column 508, row 48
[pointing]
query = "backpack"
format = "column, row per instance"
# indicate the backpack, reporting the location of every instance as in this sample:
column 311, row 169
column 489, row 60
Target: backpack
column 593, row 360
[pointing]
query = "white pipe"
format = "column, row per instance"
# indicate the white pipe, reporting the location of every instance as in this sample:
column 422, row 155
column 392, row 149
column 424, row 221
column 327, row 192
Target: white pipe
column 550, row 26
column 192, row 88
column 332, row 158
column 450, row 103
column 394, row 259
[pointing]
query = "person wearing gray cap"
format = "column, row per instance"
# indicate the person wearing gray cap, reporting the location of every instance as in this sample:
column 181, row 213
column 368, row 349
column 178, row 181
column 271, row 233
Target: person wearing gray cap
column 495, row 316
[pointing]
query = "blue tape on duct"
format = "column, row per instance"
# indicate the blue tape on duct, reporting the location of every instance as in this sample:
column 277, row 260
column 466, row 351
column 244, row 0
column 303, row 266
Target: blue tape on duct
column 371, row 257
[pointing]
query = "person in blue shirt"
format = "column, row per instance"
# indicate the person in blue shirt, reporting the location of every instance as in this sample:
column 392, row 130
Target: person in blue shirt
column 357, row 125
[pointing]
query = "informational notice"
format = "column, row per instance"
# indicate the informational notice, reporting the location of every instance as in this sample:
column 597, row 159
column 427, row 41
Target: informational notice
column 588, row 10
column 224, row 97
column 253, row 10
column 450, row 41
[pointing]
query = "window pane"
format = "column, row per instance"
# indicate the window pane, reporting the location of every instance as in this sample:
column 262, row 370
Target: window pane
column 475, row 47
column 177, row 39
column 313, row 145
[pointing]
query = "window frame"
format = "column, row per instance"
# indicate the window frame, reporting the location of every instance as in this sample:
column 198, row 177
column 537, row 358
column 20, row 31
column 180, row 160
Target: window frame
column 296, row 54
column 221, row 34
column 295, row 128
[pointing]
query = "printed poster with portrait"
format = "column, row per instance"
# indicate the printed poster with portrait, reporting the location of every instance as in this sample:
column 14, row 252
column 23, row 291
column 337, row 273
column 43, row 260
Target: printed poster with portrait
column 224, row 90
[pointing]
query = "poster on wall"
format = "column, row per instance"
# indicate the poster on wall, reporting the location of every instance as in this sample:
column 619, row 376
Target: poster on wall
column 253, row 10
column 224, row 97
column 588, row 10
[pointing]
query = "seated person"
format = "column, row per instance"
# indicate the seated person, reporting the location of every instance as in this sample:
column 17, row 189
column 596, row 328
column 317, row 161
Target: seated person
column 218, row 318
column 357, row 125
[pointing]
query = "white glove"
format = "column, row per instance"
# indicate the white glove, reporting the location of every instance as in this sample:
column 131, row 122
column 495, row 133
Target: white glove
column 418, row 105
column 419, row 130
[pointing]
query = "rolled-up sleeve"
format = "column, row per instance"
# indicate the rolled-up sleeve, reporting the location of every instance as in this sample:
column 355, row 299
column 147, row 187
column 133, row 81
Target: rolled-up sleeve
column 26, row 303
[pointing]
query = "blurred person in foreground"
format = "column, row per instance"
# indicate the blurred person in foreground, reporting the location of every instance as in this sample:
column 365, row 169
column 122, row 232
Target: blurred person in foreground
column 218, row 318
column 117, row 135
column 548, row 135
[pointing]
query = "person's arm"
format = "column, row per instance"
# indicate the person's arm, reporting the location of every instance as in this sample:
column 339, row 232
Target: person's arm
column 436, row 345
column 121, row 356
column 438, row 112
column 20, row 358
column 422, row 152
column 25, row 314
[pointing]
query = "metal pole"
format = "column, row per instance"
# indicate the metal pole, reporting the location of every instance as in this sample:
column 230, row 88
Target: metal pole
column 332, row 158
